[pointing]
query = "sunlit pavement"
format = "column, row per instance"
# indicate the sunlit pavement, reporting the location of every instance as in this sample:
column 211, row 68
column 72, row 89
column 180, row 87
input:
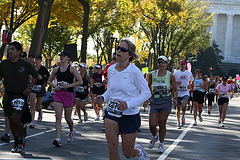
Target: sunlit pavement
column 207, row 140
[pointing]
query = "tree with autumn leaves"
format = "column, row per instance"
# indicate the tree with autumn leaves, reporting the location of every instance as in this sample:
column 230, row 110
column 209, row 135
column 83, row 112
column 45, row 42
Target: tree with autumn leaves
column 173, row 28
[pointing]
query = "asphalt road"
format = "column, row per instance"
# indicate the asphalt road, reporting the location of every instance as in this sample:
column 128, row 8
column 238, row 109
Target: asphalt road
column 207, row 140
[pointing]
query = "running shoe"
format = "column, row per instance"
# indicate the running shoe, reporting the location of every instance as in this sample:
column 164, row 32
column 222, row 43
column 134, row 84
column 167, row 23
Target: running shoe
column 40, row 116
column 71, row 136
column 86, row 117
column 103, row 129
column 80, row 121
column 32, row 125
column 15, row 147
column 5, row 138
column 57, row 142
column 97, row 119
column 200, row 118
column 152, row 142
column 143, row 154
column 179, row 126
column 222, row 125
column 209, row 112
column 195, row 123
column 183, row 121
column 75, row 112
column 160, row 148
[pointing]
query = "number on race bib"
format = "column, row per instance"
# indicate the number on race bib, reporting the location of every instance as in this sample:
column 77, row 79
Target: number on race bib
column 97, row 84
column 37, row 88
column 18, row 103
column 59, row 84
column 182, row 88
column 80, row 89
column 160, row 90
column 225, row 95
column 211, row 90
column 112, row 108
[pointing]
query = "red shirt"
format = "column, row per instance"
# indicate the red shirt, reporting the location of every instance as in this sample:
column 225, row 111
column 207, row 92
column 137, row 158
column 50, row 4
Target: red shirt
column 106, row 70
column 230, row 81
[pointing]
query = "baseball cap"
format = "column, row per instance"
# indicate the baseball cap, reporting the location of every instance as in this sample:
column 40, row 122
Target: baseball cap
column 98, row 66
column 198, row 70
column 64, row 53
column 182, row 62
column 83, row 65
column 75, row 64
column 224, row 78
column 163, row 58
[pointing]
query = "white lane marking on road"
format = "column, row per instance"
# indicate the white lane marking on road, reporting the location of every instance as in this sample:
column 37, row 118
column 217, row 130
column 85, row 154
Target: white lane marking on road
column 175, row 143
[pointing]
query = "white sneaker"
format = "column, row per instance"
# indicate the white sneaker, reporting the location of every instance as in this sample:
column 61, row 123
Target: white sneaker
column 178, row 126
column 160, row 148
column 195, row 123
column 71, row 136
column 143, row 154
column 97, row 118
column 222, row 125
column 32, row 125
column 152, row 142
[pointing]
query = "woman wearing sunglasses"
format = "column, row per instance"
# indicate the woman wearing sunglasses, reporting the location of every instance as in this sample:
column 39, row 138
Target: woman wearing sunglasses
column 159, row 81
column 126, row 90
column 199, row 89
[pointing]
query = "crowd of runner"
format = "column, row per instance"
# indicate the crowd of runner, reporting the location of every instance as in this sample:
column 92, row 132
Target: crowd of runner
column 115, row 93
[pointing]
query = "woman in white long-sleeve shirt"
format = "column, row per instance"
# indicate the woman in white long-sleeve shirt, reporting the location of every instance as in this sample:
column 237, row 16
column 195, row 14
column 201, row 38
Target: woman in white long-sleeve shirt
column 127, row 89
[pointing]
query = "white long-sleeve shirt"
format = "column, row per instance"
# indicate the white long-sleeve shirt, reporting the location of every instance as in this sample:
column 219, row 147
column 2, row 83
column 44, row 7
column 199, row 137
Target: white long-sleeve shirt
column 128, row 85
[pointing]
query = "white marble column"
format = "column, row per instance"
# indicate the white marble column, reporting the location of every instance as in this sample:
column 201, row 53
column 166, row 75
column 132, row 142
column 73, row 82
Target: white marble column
column 228, row 39
column 214, row 28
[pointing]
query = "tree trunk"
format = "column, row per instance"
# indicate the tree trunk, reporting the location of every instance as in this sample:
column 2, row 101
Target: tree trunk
column 86, row 8
column 2, row 50
column 40, row 30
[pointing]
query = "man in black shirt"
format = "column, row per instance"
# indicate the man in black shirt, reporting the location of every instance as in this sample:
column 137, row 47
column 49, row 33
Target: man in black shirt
column 15, row 72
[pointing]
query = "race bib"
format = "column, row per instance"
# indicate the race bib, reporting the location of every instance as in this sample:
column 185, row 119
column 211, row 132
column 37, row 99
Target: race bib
column 182, row 88
column 80, row 89
column 224, row 95
column 112, row 108
column 37, row 88
column 160, row 90
column 211, row 90
column 197, row 87
column 17, row 104
column 97, row 84
column 59, row 84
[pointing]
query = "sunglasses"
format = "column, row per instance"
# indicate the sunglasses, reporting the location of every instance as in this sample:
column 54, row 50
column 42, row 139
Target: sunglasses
column 161, row 62
column 122, row 49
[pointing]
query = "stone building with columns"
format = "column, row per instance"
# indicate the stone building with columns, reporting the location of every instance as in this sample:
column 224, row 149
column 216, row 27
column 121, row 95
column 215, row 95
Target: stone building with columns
column 226, row 31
